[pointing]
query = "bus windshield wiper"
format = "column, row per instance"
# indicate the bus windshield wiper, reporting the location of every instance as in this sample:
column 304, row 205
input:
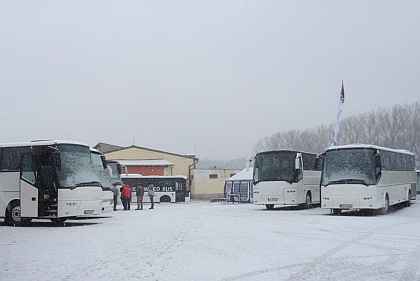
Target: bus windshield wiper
column 351, row 181
column 94, row 183
column 275, row 179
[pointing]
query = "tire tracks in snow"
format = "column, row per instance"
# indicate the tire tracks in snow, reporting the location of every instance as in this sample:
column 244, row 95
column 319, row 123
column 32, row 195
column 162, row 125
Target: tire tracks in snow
column 379, row 266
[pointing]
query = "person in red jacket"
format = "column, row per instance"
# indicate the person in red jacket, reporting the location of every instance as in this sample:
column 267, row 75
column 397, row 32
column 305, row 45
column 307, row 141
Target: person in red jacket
column 126, row 196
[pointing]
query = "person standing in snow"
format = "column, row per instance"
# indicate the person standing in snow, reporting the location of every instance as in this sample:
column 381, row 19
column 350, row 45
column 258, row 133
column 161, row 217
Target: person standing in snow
column 139, row 194
column 115, row 191
column 126, row 196
column 151, row 193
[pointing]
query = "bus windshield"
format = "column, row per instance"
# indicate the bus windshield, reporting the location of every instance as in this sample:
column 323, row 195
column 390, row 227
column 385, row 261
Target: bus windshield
column 349, row 166
column 115, row 176
column 103, row 174
column 275, row 166
column 76, row 167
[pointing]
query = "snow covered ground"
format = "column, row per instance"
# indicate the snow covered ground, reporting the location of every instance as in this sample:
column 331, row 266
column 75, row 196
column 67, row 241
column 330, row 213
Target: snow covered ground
column 210, row 241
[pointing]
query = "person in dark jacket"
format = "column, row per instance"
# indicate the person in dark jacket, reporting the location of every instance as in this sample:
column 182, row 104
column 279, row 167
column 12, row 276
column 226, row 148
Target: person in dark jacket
column 139, row 194
column 151, row 193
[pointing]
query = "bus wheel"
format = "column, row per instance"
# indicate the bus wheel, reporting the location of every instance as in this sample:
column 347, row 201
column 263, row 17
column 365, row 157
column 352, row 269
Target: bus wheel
column 385, row 209
column 336, row 211
column 58, row 221
column 408, row 202
column 165, row 198
column 13, row 215
column 269, row 206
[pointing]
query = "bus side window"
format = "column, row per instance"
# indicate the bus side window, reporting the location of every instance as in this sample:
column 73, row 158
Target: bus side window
column 29, row 168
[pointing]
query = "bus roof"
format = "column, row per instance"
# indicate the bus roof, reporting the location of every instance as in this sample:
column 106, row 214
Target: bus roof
column 93, row 150
column 285, row 150
column 42, row 143
column 361, row 145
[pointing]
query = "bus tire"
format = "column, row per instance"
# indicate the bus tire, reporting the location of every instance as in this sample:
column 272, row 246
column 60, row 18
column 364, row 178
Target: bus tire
column 408, row 202
column 269, row 206
column 13, row 216
column 59, row 221
column 165, row 198
column 336, row 211
column 385, row 209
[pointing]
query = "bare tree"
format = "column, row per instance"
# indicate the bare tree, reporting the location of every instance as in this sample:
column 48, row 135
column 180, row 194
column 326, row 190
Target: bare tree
column 397, row 127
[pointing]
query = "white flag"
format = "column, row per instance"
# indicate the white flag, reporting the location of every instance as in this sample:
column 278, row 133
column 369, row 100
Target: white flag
column 340, row 108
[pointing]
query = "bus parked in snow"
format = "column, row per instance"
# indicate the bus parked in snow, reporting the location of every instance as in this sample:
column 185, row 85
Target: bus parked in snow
column 286, row 177
column 47, row 179
column 418, row 182
column 367, row 177
column 104, row 174
column 167, row 188
column 115, row 167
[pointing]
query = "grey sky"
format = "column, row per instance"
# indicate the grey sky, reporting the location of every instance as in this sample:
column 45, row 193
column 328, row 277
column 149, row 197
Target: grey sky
column 203, row 77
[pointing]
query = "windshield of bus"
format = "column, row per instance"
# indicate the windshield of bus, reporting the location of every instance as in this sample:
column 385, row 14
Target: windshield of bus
column 103, row 174
column 115, row 176
column 349, row 166
column 418, row 181
column 275, row 166
column 76, row 167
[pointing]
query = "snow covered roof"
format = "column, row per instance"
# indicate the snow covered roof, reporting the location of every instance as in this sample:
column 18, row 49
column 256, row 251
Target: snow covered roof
column 361, row 145
column 242, row 175
column 147, row 162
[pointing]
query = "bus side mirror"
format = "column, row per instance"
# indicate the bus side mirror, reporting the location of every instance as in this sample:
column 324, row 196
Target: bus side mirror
column 297, row 163
column 248, row 160
column 104, row 164
column 56, row 159
column 377, row 161
column 119, row 168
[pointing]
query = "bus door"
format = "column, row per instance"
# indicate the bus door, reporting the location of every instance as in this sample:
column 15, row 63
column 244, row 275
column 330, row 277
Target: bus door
column 180, row 192
column 28, row 192
column 37, row 186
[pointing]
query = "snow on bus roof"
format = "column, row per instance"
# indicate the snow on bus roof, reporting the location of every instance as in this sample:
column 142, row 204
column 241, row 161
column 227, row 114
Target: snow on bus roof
column 361, row 145
column 42, row 143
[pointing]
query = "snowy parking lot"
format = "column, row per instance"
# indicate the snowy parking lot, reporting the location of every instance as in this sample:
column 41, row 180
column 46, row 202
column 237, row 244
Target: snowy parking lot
column 210, row 241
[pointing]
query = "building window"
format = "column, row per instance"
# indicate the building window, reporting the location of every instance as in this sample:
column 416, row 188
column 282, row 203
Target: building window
column 213, row 176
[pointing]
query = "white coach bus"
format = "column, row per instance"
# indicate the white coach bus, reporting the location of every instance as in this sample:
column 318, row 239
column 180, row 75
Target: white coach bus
column 418, row 182
column 367, row 177
column 104, row 174
column 167, row 188
column 286, row 177
column 47, row 179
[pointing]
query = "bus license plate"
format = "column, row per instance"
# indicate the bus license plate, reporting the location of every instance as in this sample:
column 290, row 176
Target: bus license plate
column 273, row 199
column 88, row 212
column 346, row 206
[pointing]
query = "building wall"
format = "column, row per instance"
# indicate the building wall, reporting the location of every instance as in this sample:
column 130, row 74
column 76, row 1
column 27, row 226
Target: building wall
column 206, row 186
column 147, row 170
column 181, row 163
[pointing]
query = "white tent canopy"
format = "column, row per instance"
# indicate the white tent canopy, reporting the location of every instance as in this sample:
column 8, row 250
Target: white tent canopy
column 241, row 184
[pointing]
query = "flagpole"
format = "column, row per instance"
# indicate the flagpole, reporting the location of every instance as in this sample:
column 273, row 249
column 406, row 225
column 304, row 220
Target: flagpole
column 340, row 108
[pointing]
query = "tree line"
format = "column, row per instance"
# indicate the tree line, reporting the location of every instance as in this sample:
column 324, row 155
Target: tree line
column 397, row 127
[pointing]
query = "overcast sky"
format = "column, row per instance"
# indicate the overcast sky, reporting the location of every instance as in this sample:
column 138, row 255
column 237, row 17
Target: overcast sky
column 203, row 77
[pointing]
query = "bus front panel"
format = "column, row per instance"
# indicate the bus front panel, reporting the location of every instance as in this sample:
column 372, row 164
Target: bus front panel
column 79, row 201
